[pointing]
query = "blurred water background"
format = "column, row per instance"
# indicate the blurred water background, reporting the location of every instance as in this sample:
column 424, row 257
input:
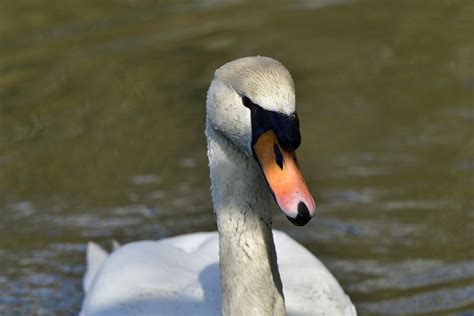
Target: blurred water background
column 101, row 138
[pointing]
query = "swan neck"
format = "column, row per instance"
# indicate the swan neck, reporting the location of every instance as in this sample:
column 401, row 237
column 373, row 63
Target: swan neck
column 250, row 280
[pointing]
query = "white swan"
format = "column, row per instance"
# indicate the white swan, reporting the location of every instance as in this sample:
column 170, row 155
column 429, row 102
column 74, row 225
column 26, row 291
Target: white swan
column 252, row 131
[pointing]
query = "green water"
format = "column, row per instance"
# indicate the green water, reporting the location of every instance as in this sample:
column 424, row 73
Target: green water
column 101, row 138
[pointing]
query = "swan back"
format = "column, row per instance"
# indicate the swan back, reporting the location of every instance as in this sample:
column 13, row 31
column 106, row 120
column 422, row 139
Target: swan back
column 154, row 278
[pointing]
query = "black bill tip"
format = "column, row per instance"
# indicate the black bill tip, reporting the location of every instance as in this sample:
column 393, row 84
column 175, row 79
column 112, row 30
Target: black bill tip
column 303, row 216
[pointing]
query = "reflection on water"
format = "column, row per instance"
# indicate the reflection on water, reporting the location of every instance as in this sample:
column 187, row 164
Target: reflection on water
column 101, row 137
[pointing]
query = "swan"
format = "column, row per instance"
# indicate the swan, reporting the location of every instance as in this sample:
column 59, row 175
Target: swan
column 252, row 132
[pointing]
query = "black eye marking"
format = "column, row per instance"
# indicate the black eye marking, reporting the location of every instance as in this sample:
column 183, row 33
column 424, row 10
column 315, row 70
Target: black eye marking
column 285, row 126
column 248, row 103
column 278, row 156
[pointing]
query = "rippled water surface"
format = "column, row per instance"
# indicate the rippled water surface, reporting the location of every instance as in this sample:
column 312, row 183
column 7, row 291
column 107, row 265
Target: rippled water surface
column 101, row 138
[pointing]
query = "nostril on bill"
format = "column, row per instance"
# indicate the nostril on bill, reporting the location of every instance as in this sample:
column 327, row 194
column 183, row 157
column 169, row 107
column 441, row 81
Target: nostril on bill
column 278, row 156
column 303, row 216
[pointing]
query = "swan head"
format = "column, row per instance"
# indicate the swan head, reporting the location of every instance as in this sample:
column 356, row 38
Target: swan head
column 251, row 102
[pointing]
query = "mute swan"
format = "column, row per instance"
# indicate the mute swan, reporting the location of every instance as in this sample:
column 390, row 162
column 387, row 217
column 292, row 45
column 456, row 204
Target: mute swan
column 252, row 132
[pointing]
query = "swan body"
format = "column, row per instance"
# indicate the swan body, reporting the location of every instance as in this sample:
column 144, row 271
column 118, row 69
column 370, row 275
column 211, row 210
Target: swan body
column 252, row 132
column 180, row 276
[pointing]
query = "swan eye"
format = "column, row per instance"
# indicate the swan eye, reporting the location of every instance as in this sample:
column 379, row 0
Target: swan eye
column 247, row 102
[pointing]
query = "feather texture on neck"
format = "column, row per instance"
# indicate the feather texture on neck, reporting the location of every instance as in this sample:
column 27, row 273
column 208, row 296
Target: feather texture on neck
column 250, row 280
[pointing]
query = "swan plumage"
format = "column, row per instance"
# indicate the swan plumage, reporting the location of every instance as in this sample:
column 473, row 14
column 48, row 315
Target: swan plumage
column 252, row 132
column 156, row 278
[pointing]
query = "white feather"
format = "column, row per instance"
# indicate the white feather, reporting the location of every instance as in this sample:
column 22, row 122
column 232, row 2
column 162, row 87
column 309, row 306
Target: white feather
column 180, row 276
column 96, row 256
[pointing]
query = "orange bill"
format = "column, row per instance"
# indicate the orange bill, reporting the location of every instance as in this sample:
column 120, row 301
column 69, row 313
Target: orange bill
column 282, row 172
